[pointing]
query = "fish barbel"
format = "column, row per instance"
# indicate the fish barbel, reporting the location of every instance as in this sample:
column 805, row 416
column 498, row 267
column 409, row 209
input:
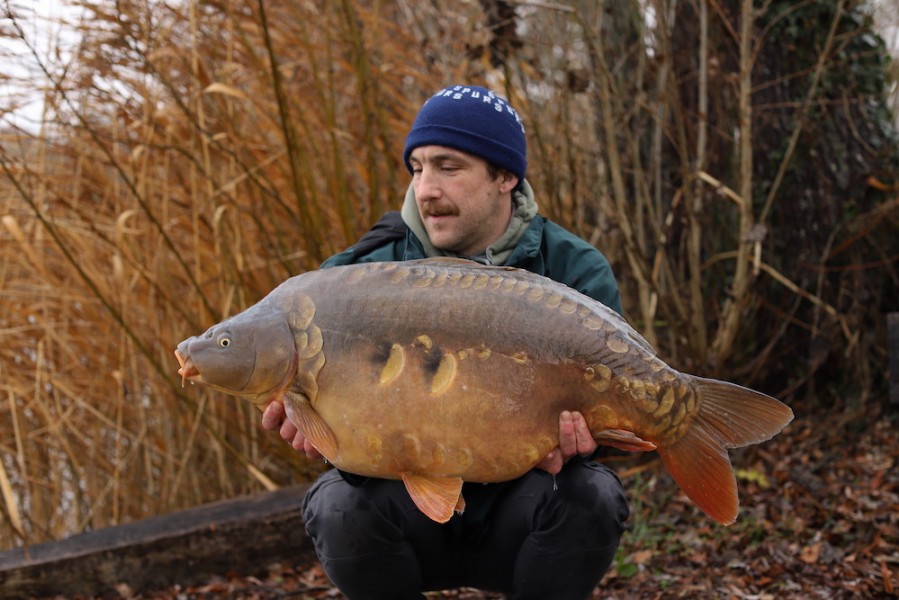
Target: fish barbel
column 439, row 371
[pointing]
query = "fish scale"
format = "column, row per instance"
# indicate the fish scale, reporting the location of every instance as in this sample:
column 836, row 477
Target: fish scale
column 441, row 371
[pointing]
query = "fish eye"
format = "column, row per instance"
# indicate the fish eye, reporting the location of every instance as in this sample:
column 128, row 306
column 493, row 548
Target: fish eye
column 225, row 342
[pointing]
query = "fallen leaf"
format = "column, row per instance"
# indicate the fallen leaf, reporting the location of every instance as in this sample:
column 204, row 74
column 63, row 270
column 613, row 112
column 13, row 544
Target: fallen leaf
column 887, row 577
column 811, row 553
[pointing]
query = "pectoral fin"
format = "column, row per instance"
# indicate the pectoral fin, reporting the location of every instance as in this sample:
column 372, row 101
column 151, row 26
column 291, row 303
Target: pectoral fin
column 300, row 412
column 436, row 497
column 623, row 440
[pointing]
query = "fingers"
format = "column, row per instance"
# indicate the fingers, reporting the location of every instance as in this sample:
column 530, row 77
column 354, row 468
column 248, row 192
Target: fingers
column 567, row 435
column 289, row 433
column 273, row 415
column 586, row 445
column 298, row 441
column 574, row 435
column 574, row 438
column 274, row 418
column 310, row 450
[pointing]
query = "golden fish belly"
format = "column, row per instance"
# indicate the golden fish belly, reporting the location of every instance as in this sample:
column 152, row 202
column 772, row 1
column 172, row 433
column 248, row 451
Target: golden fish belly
column 472, row 413
column 477, row 428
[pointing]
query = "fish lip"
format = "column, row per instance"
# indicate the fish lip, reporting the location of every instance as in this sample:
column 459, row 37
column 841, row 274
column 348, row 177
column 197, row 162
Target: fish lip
column 181, row 358
column 187, row 370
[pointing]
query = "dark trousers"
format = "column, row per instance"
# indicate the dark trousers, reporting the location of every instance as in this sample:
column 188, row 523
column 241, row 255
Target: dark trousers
column 537, row 537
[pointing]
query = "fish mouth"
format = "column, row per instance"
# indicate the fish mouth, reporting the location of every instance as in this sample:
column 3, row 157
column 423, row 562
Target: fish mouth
column 187, row 370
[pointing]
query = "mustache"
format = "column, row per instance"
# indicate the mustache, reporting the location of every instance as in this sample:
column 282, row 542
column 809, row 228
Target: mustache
column 437, row 210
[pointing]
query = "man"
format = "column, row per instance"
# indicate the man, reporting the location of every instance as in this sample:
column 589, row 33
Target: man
column 552, row 533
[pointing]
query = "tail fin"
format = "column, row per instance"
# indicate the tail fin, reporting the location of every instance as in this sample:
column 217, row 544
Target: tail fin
column 729, row 416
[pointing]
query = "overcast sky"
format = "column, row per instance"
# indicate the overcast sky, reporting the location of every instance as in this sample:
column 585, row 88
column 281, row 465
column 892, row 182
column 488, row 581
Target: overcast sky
column 41, row 25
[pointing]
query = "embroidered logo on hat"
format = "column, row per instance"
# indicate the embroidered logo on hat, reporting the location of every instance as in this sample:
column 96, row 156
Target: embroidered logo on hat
column 459, row 92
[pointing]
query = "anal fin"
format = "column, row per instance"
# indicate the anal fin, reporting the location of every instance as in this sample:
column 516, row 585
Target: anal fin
column 300, row 412
column 701, row 467
column 436, row 497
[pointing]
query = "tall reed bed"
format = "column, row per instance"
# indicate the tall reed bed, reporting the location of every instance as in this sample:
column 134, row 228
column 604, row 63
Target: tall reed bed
column 195, row 154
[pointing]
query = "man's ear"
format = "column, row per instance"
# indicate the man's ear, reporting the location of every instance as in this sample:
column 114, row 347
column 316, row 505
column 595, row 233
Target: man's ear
column 508, row 183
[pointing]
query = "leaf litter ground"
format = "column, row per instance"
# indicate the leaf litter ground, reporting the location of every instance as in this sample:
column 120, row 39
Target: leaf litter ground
column 820, row 519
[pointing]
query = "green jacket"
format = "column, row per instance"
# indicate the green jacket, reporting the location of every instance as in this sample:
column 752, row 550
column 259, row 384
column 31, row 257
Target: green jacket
column 545, row 248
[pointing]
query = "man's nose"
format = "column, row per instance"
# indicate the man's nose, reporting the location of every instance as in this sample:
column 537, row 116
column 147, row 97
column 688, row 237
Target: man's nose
column 427, row 186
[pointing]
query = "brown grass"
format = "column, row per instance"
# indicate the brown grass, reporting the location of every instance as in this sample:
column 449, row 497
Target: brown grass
column 195, row 154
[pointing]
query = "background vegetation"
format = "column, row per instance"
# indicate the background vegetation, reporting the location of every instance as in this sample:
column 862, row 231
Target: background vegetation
column 736, row 160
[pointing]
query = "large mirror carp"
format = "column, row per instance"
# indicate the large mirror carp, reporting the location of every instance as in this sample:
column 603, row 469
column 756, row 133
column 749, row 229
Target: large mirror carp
column 440, row 371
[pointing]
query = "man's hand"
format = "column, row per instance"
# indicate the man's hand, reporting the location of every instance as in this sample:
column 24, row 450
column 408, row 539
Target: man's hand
column 574, row 438
column 274, row 418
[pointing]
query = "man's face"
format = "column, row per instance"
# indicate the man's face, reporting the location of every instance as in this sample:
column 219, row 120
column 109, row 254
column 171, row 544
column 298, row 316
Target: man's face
column 463, row 208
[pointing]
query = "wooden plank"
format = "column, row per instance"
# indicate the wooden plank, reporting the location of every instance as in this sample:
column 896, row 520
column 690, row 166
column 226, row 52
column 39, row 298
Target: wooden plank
column 893, row 344
column 241, row 536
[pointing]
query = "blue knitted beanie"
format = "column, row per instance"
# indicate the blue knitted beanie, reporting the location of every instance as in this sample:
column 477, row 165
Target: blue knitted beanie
column 474, row 120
